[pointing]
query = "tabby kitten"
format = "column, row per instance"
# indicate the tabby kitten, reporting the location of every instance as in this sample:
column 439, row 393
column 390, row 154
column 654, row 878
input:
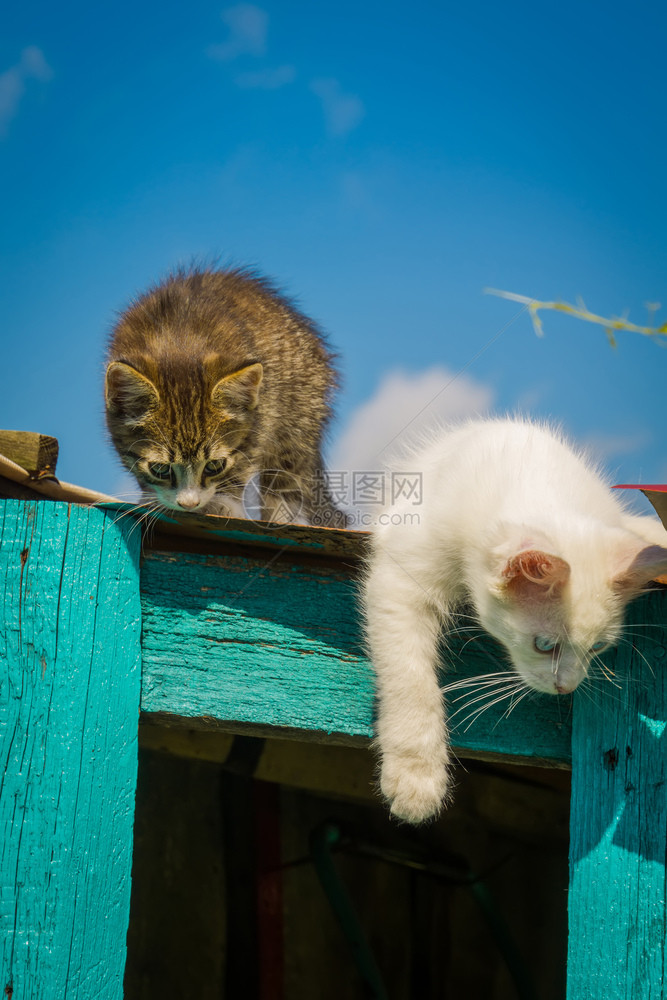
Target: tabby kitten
column 217, row 387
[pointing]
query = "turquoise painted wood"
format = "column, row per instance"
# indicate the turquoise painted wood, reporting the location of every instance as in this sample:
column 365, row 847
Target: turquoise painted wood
column 244, row 639
column 266, row 640
column 69, row 702
column 618, row 842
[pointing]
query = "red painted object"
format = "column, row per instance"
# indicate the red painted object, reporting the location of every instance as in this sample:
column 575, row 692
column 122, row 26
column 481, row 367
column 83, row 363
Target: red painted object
column 645, row 489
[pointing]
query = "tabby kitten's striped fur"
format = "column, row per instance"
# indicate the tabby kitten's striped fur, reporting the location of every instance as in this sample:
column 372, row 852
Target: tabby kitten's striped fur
column 215, row 380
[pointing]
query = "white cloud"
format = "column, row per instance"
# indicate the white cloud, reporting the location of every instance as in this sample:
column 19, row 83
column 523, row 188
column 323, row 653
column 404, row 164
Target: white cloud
column 605, row 447
column 404, row 406
column 11, row 92
column 32, row 65
column 342, row 112
column 248, row 28
column 267, row 79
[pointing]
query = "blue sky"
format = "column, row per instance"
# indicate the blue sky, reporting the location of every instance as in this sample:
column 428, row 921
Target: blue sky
column 383, row 163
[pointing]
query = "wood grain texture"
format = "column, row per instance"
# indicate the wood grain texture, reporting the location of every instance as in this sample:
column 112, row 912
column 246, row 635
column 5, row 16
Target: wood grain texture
column 36, row 453
column 618, row 826
column 659, row 500
column 69, row 664
column 327, row 770
column 48, row 487
column 10, row 490
column 272, row 642
column 187, row 531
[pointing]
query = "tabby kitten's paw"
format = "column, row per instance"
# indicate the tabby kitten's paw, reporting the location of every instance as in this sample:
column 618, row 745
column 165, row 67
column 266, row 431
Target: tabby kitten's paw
column 415, row 787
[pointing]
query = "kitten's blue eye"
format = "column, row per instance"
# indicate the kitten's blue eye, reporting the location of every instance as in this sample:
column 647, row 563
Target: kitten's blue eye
column 159, row 470
column 597, row 646
column 544, row 645
column 214, row 468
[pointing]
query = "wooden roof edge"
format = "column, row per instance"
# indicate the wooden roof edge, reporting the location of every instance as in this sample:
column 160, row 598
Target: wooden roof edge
column 173, row 530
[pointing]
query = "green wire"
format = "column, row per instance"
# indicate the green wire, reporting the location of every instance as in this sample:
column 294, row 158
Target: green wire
column 327, row 836
column 322, row 840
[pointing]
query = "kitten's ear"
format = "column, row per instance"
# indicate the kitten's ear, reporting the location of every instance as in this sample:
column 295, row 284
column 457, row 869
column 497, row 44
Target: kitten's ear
column 240, row 390
column 646, row 564
column 534, row 575
column 128, row 393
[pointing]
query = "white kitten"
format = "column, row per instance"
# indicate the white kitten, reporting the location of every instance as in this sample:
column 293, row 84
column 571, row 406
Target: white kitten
column 524, row 529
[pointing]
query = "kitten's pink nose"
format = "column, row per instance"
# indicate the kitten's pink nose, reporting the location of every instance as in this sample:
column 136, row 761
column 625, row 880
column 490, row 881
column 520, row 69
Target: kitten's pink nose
column 188, row 500
column 566, row 685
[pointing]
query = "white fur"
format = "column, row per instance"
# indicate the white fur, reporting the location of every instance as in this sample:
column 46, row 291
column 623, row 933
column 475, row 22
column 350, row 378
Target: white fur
column 496, row 493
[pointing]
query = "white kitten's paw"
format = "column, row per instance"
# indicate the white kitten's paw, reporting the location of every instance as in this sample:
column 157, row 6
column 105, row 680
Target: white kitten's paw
column 415, row 787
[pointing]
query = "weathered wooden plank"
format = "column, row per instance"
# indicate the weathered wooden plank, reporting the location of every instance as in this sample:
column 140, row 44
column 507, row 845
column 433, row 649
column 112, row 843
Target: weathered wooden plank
column 618, row 828
column 254, row 641
column 10, row 490
column 69, row 665
column 36, row 453
column 328, row 770
column 45, row 487
column 172, row 530
column 272, row 642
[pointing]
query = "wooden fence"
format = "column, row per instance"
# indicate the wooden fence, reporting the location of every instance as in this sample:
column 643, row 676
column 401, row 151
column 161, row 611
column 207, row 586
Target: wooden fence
column 245, row 630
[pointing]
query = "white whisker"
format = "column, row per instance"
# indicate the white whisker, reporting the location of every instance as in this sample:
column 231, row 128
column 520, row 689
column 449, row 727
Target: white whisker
column 630, row 643
column 468, row 721
column 514, row 703
column 487, row 694
column 479, row 679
